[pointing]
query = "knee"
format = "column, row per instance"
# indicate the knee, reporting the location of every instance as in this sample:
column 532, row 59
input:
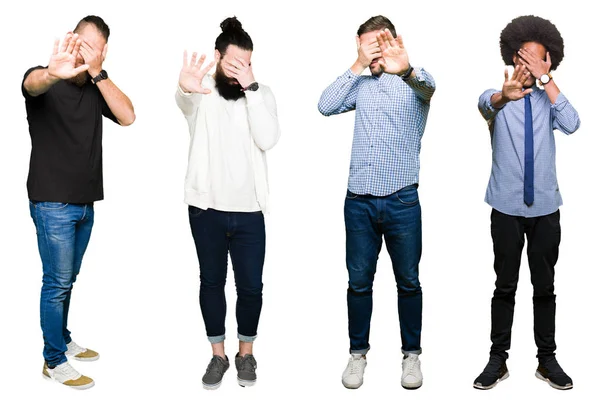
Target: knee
column 409, row 287
column 250, row 290
column 360, row 290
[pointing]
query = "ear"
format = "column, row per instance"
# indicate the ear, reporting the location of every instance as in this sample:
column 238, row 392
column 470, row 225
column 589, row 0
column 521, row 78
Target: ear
column 217, row 55
column 515, row 59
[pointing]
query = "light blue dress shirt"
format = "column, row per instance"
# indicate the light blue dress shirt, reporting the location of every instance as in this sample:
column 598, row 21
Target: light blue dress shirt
column 507, row 129
column 390, row 120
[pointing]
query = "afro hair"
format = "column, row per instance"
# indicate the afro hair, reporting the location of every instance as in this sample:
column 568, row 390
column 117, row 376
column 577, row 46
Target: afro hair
column 530, row 28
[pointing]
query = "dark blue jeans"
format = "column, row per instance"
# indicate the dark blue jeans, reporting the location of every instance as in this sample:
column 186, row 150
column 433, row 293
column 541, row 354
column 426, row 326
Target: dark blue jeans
column 242, row 235
column 397, row 218
column 63, row 233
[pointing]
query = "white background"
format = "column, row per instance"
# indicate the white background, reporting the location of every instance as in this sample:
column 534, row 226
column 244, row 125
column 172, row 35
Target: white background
column 136, row 300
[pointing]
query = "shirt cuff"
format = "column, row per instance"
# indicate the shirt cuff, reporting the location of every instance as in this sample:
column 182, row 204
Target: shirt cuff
column 183, row 93
column 255, row 97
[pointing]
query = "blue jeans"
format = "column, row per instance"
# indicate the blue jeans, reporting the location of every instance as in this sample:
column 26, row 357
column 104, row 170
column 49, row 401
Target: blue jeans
column 396, row 217
column 63, row 232
column 241, row 235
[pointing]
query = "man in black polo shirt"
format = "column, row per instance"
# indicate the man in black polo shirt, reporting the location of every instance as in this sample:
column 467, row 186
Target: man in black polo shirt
column 65, row 102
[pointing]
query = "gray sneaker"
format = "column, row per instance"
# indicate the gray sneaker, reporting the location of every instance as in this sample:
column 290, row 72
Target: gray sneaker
column 214, row 372
column 246, row 367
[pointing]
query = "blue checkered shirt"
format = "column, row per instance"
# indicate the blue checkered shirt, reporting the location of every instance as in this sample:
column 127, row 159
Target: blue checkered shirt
column 507, row 129
column 390, row 120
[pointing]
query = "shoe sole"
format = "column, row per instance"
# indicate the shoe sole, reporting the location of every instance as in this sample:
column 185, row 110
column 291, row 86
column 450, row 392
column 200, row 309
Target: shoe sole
column 77, row 387
column 489, row 387
column 352, row 386
column 211, row 386
column 412, row 386
column 246, row 383
column 85, row 358
column 553, row 385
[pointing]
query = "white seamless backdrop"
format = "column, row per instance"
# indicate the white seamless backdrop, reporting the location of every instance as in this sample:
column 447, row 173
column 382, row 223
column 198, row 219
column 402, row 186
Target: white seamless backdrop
column 136, row 300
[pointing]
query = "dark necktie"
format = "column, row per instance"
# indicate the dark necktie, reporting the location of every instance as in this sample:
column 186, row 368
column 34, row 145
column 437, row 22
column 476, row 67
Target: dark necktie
column 528, row 186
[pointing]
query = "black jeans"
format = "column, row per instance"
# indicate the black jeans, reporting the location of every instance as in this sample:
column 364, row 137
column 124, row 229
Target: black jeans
column 242, row 235
column 543, row 238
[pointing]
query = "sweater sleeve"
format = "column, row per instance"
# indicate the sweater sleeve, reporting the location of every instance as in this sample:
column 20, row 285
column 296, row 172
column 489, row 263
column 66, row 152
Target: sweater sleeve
column 187, row 102
column 262, row 117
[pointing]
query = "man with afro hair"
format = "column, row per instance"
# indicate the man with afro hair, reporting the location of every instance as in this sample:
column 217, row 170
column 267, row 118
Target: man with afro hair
column 523, row 189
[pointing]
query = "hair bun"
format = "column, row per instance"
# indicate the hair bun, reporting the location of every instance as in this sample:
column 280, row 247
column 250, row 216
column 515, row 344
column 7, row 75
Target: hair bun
column 231, row 24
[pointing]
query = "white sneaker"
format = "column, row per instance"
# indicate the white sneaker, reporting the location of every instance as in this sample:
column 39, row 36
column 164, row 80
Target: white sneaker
column 65, row 374
column 353, row 375
column 80, row 353
column 412, row 378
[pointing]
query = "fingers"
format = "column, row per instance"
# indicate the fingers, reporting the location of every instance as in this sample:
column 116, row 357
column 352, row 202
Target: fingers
column 505, row 74
column 204, row 91
column 527, row 91
column 206, row 69
column 193, row 60
column 185, row 58
column 399, row 41
column 381, row 42
column 65, row 42
column 71, row 44
column 76, row 47
column 55, row 49
column 200, row 62
column 80, row 69
column 548, row 60
column 390, row 38
column 242, row 62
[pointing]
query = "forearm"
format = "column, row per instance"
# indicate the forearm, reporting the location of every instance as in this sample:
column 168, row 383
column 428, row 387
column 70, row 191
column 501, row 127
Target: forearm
column 118, row 103
column 262, row 119
column 552, row 91
column 422, row 83
column 39, row 81
column 564, row 116
column 339, row 96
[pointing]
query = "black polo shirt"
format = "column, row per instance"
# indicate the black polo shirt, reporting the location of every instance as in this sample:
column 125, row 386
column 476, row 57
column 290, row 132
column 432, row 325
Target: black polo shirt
column 65, row 125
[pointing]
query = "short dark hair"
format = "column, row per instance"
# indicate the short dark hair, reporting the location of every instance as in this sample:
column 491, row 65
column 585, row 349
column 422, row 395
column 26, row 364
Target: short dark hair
column 233, row 34
column 96, row 22
column 530, row 28
column 376, row 23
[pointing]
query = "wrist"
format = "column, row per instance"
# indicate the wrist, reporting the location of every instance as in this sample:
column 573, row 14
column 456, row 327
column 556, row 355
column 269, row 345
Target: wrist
column 50, row 78
column 358, row 67
column 93, row 72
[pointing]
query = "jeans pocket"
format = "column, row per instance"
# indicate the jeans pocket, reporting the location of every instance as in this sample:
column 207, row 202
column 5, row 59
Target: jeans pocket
column 195, row 211
column 408, row 196
column 43, row 205
column 350, row 195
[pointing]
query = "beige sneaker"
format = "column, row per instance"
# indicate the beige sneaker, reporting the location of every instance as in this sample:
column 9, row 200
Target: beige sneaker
column 80, row 353
column 65, row 374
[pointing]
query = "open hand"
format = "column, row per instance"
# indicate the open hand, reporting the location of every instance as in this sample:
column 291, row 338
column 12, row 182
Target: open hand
column 394, row 56
column 93, row 57
column 533, row 63
column 513, row 88
column 192, row 73
column 64, row 57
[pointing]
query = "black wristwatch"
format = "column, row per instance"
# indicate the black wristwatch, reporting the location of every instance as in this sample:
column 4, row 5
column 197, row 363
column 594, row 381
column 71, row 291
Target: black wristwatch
column 252, row 87
column 101, row 76
column 407, row 74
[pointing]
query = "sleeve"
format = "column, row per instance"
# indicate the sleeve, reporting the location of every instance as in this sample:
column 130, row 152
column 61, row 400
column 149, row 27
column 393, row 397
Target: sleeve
column 340, row 96
column 486, row 108
column 564, row 116
column 25, row 94
column 422, row 84
column 262, row 117
column 187, row 102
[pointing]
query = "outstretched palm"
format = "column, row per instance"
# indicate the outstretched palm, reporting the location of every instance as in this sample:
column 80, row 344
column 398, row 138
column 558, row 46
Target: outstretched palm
column 394, row 56
column 63, row 60
column 513, row 87
column 191, row 75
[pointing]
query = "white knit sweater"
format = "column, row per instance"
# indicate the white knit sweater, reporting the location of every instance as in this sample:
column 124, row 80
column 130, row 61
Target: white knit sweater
column 208, row 117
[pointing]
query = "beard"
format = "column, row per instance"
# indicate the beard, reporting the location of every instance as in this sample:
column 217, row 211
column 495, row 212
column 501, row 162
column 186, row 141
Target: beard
column 79, row 80
column 226, row 88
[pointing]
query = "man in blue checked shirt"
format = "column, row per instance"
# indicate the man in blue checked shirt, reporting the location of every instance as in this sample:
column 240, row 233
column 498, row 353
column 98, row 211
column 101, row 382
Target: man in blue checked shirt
column 523, row 189
column 391, row 112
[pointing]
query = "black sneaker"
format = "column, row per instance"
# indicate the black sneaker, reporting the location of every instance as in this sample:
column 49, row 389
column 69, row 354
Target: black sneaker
column 494, row 372
column 214, row 372
column 246, row 370
column 550, row 371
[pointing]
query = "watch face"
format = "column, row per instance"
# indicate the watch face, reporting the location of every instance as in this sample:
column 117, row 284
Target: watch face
column 544, row 79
